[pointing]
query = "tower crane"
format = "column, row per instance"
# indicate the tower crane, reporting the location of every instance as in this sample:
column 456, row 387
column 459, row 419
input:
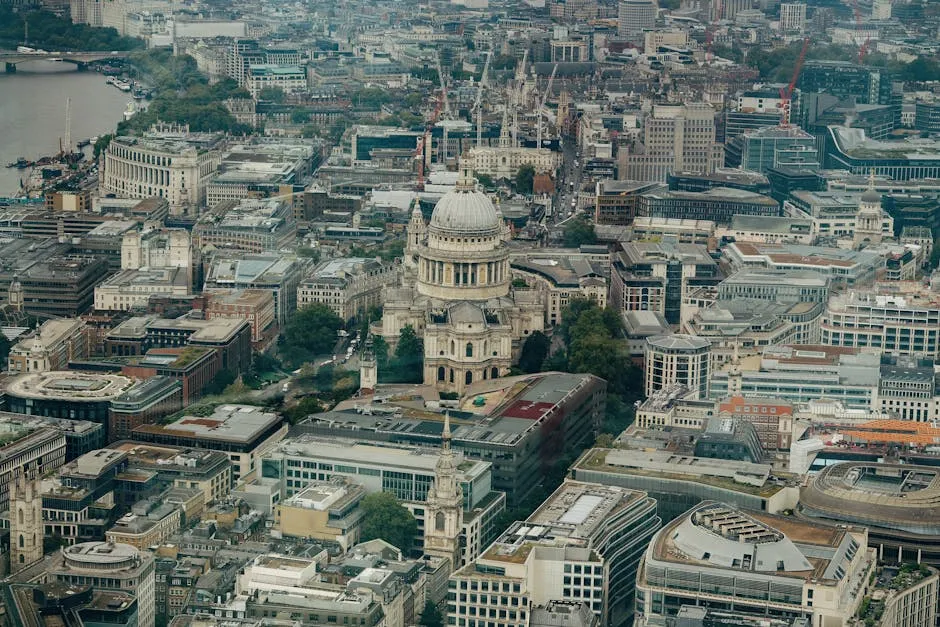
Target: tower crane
column 786, row 93
column 440, row 75
column 476, row 103
column 518, row 96
column 538, row 113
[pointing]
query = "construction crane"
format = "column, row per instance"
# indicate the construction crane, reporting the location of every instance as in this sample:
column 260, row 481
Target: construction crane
column 786, row 93
column 440, row 74
column 518, row 95
column 420, row 151
column 476, row 103
column 863, row 46
column 538, row 112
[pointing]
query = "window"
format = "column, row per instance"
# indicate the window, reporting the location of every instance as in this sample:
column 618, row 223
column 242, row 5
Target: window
column 439, row 521
column 440, row 373
column 468, row 379
column 469, row 349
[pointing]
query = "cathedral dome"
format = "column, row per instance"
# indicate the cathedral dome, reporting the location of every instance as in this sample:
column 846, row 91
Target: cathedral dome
column 465, row 211
column 871, row 197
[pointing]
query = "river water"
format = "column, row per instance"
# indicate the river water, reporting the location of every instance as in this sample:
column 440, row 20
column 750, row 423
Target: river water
column 32, row 112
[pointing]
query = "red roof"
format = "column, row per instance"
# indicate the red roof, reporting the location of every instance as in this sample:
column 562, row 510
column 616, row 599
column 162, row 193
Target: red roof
column 527, row 410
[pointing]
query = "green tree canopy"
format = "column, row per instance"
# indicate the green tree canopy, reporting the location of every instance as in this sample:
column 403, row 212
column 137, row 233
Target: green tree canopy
column 58, row 34
column 431, row 616
column 409, row 357
column 310, row 332
column 534, row 351
column 579, row 231
column 272, row 94
column 384, row 518
column 525, row 178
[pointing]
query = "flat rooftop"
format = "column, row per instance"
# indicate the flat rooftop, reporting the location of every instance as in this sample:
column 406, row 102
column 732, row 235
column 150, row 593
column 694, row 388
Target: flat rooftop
column 231, row 423
column 68, row 385
column 577, row 509
column 736, row 476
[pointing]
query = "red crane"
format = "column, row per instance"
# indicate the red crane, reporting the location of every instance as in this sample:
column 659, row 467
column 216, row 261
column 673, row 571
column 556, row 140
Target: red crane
column 863, row 47
column 787, row 93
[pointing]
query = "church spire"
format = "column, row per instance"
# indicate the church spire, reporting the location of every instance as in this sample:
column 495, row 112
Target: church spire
column 445, row 434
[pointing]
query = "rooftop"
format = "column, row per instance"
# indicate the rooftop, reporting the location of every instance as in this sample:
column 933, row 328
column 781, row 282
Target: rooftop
column 68, row 385
column 232, row 423
column 735, row 476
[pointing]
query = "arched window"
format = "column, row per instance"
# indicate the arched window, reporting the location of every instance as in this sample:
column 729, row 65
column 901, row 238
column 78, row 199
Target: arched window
column 19, row 515
column 439, row 521
column 453, row 348
column 22, row 544
column 494, row 373
column 451, row 375
column 468, row 379
column 22, row 559
column 440, row 373
column 469, row 349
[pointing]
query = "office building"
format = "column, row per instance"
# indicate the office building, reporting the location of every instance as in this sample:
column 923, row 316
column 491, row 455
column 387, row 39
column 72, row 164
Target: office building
column 678, row 359
column 244, row 432
column 657, row 276
column 65, row 394
column 895, row 501
column 721, row 177
column 635, row 16
column 756, row 563
column 167, row 162
column 792, row 17
column 250, row 226
column 843, row 267
column 323, row 510
column 927, row 116
column 158, row 248
column 844, row 79
column 255, row 306
column 782, row 286
column 51, row 347
column 717, row 205
column 727, row 438
column 230, row 338
column 349, row 286
column 61, row 286
column 764, row 149
column 901, row 318
column 109, row 566
column 405, row 471
column 679, row 482
column 287, row 78
column 49, row 602
column 674, row 229
column 132, row 289
column 279, row 274
column 513, row 435
column 852, row 150
column 558, row 278
column 677, row 138
column 146, row 402
column 768, row 229
column 582, row 545
column 772, row 419
column 617, row 202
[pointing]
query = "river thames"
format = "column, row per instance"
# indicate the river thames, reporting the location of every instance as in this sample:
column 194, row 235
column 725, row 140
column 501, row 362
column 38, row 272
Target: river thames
column 32, row 112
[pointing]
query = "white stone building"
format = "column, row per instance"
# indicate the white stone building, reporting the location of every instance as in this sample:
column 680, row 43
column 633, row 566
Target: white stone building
column 456, row 291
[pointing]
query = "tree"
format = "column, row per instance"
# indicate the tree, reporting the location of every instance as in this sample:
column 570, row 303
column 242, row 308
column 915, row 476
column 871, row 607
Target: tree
column 525, row 177
column 485, row 180
column 578, row 232
column 431, row 616
column 310, row 332
column 383, row 517
column 534, row 351
column 409, row 356
column 218, row 384
column 272, row 94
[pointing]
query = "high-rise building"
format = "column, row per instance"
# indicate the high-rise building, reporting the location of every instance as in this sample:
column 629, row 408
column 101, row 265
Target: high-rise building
column 683, row 359
column 633, row 16
column 677, row 138
column 792, row 16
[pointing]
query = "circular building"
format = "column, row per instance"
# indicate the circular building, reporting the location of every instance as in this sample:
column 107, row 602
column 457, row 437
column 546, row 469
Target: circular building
column 65, row 394
column 678, row 360
column 110, row 566
column 900, row 504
